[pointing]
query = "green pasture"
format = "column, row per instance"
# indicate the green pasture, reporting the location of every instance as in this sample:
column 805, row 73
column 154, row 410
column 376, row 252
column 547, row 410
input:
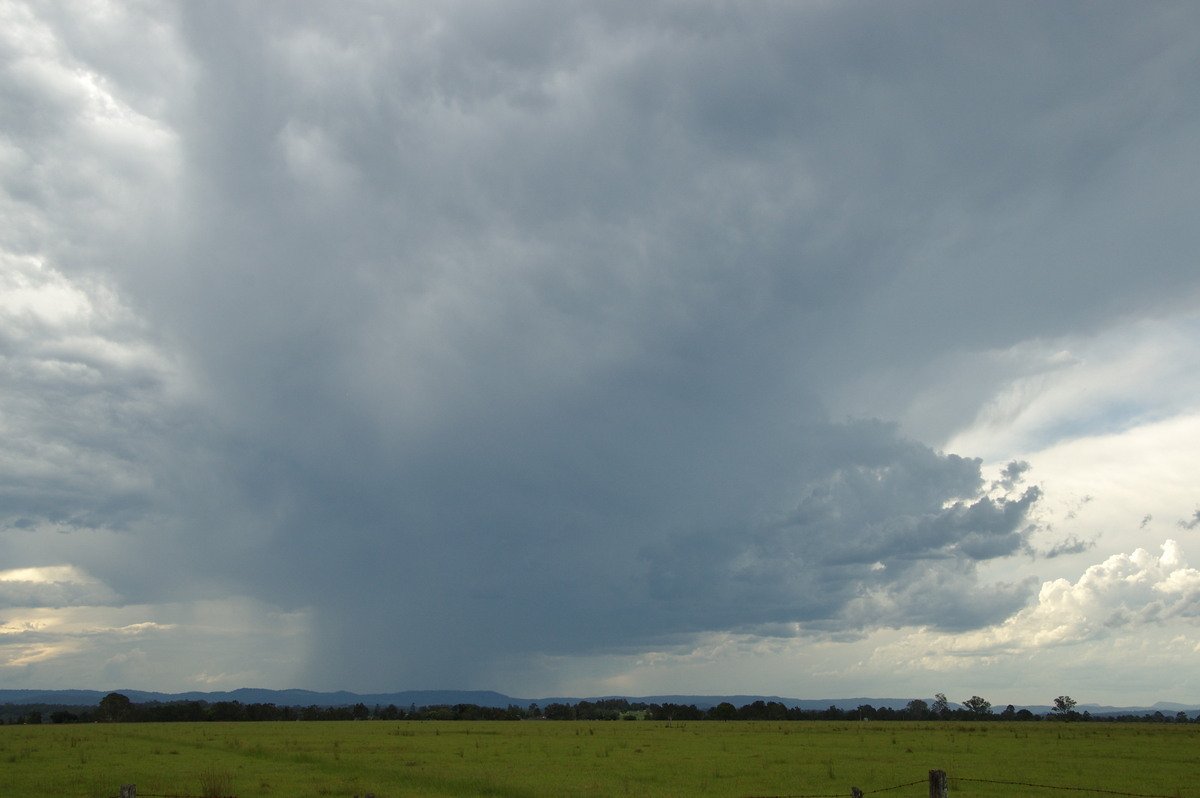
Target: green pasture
column 544, row 759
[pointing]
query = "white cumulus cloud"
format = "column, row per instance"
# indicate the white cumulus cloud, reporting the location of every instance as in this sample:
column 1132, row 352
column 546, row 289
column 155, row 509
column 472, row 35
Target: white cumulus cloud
column 1112, row 599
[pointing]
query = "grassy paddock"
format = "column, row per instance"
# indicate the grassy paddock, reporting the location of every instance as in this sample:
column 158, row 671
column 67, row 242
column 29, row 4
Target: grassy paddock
column 532, row 759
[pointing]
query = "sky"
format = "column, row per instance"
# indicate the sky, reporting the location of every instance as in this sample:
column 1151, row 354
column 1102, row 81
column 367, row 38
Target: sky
column 808, row 349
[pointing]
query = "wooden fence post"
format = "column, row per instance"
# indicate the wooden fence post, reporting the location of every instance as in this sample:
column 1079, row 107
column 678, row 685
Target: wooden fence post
column 128, row 791
column 937, row 784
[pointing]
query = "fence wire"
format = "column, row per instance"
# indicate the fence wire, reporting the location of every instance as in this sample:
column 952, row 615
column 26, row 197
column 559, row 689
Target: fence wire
column 169, row 795
column 1094, row 790
column 897, row 787
column 803, row 795
column 843, row 794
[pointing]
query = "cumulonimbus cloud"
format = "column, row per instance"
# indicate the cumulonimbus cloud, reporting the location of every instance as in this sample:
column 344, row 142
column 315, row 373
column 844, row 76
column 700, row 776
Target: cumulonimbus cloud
column 476, row 333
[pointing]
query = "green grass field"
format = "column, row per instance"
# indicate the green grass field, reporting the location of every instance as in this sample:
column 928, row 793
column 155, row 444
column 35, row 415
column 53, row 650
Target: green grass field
column 536, row 759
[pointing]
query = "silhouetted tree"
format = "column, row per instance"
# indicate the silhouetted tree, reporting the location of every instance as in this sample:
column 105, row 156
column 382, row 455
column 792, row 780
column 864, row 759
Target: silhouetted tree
column 115, row 707
column 723, row 711
column 978, row 707
column 1064, row 707
column 557, row 711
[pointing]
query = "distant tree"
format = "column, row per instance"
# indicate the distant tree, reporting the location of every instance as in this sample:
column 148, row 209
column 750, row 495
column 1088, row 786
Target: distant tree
column 559, row 711
column 755, row 711
column 227, row 711
column 596, row 710
column 1064, row 707
column 776, row 711
column 940, row 705
column 672, row 712
column 115, row 707
column 917, row 709
column 723, row 711
column 978, row 707
column 1009, row 713
column 261, row 712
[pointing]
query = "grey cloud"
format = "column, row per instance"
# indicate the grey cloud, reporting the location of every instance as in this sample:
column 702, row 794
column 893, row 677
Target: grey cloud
column 15, row 593
column 512, row 330
column 942, row 598
column 1185, row 606
column 1070, row 545
column 76, row 390
column 1013, row 474
column 902, row 525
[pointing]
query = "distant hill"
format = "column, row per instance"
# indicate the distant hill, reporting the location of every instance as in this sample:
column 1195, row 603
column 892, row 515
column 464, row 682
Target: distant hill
column 490, row 698
column 286, row 698
column 406, row 698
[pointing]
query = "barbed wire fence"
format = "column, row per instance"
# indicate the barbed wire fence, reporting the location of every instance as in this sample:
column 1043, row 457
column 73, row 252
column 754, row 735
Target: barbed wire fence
column 1093, row 790
column 130, row 791
column 939, row 782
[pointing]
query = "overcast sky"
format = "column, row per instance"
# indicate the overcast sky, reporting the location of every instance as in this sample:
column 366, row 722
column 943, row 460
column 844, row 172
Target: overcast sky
column 810, row 349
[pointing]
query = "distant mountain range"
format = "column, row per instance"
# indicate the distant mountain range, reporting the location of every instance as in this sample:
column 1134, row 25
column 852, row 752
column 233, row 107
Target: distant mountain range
column 489, row 698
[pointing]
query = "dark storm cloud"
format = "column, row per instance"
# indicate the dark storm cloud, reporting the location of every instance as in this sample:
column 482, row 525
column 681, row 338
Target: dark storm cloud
column 885, row 536
column 510, row 329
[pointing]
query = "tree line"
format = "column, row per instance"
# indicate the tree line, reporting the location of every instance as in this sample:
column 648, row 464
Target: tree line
column 118, row 708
